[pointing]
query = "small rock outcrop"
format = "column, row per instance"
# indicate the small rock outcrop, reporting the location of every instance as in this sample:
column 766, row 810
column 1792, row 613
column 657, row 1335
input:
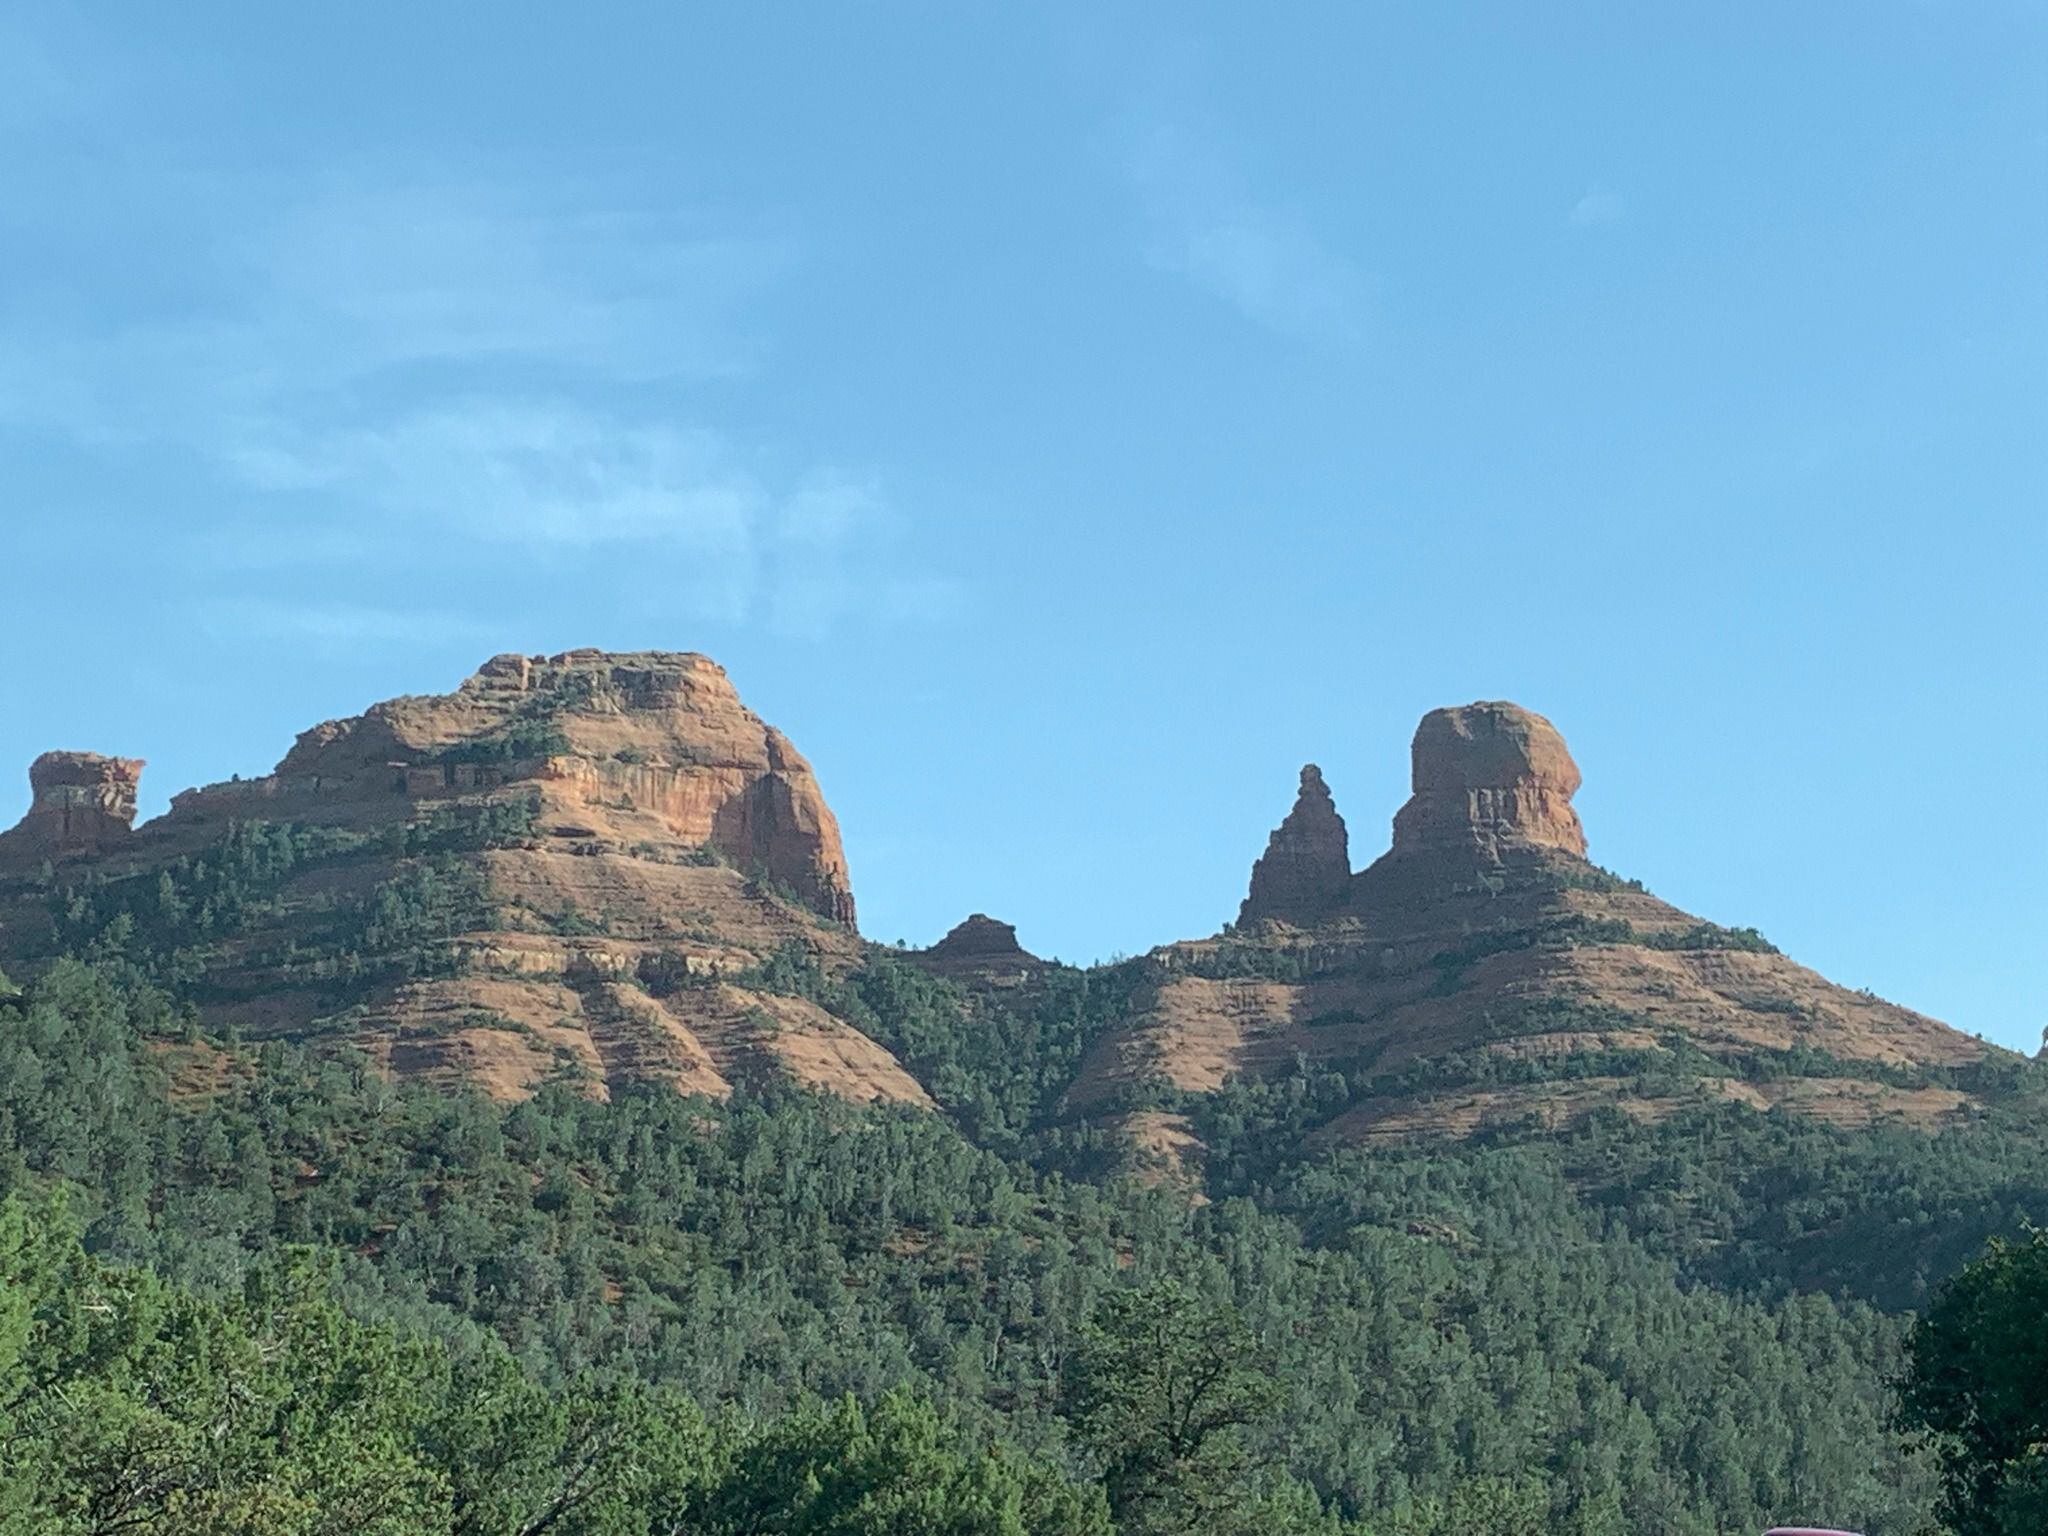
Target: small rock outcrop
column 84, row 803
column 1306, row 869
column 1490, row 779
column 981, row 937
column 979, row 945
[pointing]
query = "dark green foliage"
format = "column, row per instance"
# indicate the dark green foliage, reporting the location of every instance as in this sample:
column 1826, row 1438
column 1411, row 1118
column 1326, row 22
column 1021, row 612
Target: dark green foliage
column 169, row 922
column 571, row 922
column 1231, row 962
column 495, row 823
column 130, row 1405
column 519, row 740
column 1712, row 936
column 1618, row 1325
column 410, row 917
column 1169, row 1397
column 1977, row 1381
column 1756, row 1204
column 1611, row 1319
column 840, row 1470
column 252, row 890
column 997, row 1061
column 1585, row 877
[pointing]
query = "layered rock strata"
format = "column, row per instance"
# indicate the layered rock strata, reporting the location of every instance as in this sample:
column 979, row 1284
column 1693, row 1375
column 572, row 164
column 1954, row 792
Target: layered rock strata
column 83, row 803
column 979, row 947
column 574, row 865
column 1489, row 779
column 1483, row 957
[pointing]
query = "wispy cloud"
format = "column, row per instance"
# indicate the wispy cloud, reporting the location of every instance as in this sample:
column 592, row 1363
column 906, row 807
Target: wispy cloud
column 551, row 481
column 823, row 565
column 1207, row 222
column 380, row 275
column 288, row 310
column 501, row 470
column 333, row 623
column 1599, row 206
column 397, row 371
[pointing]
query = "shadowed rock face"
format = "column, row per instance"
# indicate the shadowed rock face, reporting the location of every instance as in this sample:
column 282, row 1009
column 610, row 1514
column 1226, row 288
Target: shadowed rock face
column 980, row 936
column 979, row 947
column 83, row 803
column 1489, row 779
column 1306, row 868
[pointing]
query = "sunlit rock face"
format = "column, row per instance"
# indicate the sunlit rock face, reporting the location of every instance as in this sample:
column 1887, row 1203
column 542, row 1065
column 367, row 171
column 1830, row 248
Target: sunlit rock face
column 1489, row 778
column 84, row 803
column 648, row 747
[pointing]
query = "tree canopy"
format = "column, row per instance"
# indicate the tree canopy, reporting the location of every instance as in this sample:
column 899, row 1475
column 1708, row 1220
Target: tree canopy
column 1691, row 1323
column 1977, row 1380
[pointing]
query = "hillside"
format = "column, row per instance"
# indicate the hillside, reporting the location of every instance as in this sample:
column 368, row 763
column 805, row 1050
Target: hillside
column 534, row 1018
column 1483, row 974
column 585, row 868
column 566, row 869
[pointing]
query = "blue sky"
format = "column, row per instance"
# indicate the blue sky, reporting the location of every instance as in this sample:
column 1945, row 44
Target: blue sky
column 1066, row 420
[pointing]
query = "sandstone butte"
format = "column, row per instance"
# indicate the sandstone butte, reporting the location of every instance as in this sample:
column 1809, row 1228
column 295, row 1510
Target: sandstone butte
column 657, row 842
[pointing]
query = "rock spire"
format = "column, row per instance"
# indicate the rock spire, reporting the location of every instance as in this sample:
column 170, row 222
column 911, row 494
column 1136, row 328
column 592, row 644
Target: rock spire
column 1306, row 868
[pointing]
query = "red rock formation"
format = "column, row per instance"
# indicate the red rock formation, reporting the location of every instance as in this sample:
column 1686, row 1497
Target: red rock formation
column 981, row 947
column 650, row 747
column 645, row 826
column 979, row 936
column 1489, row 779
column 1306, row 869
column 1482, row 934
column 84, row 803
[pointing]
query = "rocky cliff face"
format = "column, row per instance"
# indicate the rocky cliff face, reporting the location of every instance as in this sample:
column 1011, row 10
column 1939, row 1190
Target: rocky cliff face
column 1490, row 780
column 1305, row 871
column 605, row 870
column 83, row 803
column 649, row 747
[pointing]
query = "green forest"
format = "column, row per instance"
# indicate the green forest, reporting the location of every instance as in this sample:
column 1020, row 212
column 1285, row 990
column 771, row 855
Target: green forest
column 258, row 1288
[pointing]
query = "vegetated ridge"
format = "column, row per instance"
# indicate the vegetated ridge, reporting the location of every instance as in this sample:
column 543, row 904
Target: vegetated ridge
column 526, row 1031
column 586, row 867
